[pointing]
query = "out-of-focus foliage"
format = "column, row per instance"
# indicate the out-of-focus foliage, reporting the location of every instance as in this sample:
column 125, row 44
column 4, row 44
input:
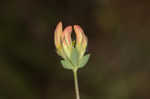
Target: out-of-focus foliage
column 118, row 33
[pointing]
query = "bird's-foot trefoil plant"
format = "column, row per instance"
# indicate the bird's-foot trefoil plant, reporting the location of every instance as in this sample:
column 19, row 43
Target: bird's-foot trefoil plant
column 71, row 51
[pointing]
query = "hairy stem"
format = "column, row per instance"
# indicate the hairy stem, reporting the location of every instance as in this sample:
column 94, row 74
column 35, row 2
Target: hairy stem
column 76, row 83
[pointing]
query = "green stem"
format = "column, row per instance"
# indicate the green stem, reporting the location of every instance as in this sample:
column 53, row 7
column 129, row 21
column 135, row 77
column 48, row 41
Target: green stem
column 76, row 83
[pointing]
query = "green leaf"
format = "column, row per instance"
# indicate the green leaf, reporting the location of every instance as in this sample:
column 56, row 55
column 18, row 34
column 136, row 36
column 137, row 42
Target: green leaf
column 66, row 64
column 84, row 61
column 74, row 57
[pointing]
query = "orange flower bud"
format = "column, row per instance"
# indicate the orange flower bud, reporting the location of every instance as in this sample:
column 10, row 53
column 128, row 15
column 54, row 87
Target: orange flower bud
column 57, row 36
column 66, row 40
column 66, row 36
column 81, row 40
column 58, row 33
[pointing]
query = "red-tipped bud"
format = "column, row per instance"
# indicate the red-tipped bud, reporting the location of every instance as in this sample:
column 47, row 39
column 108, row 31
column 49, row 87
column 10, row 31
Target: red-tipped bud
column 58, row 33
column 66, row 36
column 81, row 40
column 66, row 40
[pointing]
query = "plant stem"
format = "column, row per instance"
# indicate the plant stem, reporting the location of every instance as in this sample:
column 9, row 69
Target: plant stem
column 76, row 83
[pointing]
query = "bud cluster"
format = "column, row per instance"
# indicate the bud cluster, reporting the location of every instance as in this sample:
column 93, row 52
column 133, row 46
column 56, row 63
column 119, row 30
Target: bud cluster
column 72, row 52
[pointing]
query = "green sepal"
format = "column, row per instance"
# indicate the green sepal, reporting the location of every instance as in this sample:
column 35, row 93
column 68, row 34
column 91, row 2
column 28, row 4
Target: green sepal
column 66, row 64
column 74, row 57
column 83, row 61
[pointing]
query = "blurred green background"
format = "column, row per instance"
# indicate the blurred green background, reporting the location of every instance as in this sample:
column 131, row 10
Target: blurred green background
column 119, row 41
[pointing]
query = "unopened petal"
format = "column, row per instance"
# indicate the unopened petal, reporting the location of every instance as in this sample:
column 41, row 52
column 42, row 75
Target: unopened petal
column 58, row 33
column 83, row 45
column 81, row 40
column 79, row 33
column 67, row 35
column 66, row 40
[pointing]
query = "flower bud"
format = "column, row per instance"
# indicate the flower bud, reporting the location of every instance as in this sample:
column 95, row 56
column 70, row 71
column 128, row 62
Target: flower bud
column 81, row 40
column 58, row 32
column 66, row 40
column 57, row 36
